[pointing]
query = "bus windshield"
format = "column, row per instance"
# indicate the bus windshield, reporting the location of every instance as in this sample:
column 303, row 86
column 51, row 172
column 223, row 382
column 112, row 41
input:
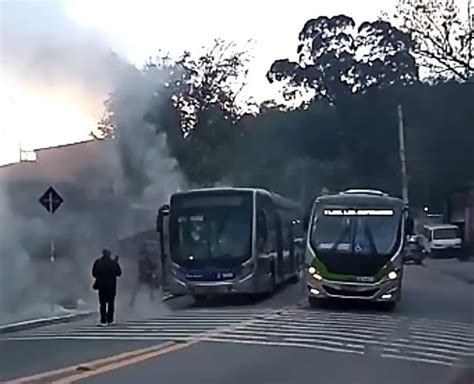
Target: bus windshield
column 353, row 233
column 216, row 232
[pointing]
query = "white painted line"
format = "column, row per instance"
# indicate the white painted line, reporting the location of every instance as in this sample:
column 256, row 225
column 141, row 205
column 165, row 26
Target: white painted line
column 391, row 350
column 417, row 348
column 349, row 323
column 443, row 324
column 230, row 335
column 186, row 321
column 64, row 337
column 443, row 341
column 43, row 321
column 416, row 359
column 442, row 334
column 284, row 344
column 325, row 342
column 311, row 332
column 319, row 328
column 296, row 334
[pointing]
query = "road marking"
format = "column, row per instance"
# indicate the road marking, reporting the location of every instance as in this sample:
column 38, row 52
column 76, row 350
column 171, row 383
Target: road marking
column 284, row 327
column 44, row 376
column 417, row 359
column 123, row 363
column 285, row 344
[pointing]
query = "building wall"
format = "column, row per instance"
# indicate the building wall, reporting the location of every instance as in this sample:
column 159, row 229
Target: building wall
column 64, row 163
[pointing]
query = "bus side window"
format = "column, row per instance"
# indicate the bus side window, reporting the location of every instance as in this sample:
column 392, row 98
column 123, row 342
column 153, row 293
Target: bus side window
column 262, row 231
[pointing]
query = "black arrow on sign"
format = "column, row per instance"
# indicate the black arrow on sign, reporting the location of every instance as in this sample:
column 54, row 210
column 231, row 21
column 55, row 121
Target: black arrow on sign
column 51, row 200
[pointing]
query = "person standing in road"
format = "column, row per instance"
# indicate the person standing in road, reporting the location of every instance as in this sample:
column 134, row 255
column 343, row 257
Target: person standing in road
column 105, row 272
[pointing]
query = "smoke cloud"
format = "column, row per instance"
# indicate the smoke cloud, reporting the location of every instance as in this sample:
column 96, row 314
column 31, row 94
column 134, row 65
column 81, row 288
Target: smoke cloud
column 46, row 52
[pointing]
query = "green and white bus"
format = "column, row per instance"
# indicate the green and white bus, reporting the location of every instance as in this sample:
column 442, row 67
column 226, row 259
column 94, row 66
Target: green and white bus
column 230, row 240
column 354, row 247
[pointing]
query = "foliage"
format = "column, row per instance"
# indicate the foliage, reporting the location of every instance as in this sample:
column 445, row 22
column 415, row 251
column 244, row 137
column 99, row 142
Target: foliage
column 444, row 35
column 335, row 59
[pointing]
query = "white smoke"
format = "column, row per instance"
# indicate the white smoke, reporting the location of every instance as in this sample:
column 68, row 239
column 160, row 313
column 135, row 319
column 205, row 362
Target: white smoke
column 46, row 52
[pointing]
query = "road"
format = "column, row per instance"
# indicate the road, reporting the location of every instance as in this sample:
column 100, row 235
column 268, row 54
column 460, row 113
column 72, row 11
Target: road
column 429, row 338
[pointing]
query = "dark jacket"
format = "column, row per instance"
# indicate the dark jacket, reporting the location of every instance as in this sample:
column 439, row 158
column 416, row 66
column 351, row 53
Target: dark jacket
column 105, row 271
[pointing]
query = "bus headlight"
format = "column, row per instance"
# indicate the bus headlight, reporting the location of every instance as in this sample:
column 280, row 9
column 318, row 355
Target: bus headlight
column 392, row 275
column 313, row 272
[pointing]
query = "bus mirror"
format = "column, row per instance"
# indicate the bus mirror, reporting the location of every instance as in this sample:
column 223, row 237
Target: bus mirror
column 159, row 223
column 306, row 221
column 409, row 226
column 162, row 212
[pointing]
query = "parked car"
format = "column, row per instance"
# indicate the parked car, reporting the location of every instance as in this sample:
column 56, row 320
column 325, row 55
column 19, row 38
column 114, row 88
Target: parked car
column 414, row 250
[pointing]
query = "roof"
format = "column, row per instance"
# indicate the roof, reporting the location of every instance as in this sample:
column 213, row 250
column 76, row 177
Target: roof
column 372, row 192
column 274, row 196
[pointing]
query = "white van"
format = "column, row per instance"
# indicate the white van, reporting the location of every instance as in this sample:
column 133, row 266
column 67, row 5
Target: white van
column 442, row 239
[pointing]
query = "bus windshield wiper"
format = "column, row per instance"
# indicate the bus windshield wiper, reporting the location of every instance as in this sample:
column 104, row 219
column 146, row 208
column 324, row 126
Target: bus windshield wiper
column 342, row 236
column 368, row 234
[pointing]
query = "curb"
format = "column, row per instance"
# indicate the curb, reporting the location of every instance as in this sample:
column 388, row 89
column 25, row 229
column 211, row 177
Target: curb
column 36, row 323
column 30, row 324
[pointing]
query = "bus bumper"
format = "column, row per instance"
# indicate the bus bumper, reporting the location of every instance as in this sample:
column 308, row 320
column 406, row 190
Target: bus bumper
column 383, row 291
column 186, row 287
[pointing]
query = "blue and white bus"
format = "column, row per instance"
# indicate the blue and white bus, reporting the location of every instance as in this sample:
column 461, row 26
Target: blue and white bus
column 230, row 240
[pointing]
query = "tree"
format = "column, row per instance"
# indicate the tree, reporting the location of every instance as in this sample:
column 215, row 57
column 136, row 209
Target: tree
column 444, row 36
column 335, row 59
column 205, row 98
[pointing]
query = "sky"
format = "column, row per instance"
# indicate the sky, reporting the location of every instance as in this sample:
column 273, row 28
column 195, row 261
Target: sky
column 55, row 64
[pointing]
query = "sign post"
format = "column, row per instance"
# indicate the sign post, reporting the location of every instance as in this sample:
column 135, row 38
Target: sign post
column 51, row 201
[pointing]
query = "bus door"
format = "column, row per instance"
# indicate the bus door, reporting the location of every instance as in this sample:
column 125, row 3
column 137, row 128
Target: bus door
column 162, row 227
column 268, row 241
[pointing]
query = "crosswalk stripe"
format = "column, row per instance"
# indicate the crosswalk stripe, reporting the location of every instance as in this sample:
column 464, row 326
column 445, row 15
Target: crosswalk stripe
column 283, row 344
column 416, row 359
column 338, row 326
column 444, row 341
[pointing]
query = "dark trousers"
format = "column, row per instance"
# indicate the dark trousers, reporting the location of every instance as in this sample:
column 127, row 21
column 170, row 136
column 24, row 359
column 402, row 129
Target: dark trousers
column 107, row 305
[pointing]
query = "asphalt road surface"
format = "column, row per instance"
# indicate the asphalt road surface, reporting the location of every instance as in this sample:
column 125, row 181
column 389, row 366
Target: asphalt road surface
column 429, row 338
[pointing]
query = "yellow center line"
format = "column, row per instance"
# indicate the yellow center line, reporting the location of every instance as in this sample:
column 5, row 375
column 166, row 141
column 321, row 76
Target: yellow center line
column 47, row 376
column 123, row 363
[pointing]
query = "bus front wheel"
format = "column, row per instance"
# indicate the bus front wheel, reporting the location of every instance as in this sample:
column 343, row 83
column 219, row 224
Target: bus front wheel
column 389, row 305
column 295, row 278
column 314, row 302
column 272, row 281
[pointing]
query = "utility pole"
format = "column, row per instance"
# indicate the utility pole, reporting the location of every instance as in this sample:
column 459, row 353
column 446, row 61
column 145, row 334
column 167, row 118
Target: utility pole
column 403, row 163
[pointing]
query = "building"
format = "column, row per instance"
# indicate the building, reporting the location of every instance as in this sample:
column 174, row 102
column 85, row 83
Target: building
column 56, row 164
